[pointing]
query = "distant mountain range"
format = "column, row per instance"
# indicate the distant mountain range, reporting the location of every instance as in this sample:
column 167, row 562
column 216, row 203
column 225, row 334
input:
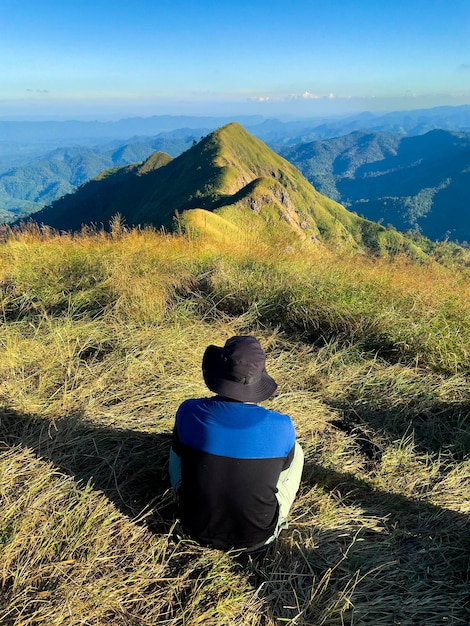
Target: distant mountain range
column 73, row 132
column 229, row 174
column 420, row 183
column 404, row 123
column 21, row 142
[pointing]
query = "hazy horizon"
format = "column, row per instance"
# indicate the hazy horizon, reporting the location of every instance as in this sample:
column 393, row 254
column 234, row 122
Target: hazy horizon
column 108, row 115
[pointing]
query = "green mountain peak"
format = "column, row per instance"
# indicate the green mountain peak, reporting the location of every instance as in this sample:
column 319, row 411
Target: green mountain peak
column 229, row 172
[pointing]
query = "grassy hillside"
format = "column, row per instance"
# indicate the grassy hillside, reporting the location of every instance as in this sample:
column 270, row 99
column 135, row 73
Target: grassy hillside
column 102, row 338
column 229, row 172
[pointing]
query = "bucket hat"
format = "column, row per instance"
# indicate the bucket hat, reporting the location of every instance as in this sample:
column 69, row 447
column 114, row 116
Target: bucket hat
column 238, row 370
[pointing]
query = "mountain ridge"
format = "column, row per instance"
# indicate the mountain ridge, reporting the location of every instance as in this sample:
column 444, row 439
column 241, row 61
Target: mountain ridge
column 228, row 171
column 28, row 188
column 31, row 176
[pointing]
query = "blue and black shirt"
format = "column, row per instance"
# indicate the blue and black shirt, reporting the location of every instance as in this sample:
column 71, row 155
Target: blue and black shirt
column 231, row 457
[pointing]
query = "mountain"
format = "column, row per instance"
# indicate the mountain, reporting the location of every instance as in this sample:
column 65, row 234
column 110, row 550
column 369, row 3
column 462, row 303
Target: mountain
column 82, row 131
column 420, row 183
column 228, row 172
column 23, row 141
column 28, row 188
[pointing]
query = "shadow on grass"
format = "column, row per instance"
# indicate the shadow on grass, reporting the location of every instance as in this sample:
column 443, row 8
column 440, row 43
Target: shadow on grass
column 437, row 426
column 410, row 566
column 375, row 558
column 129, row 467
column 402, row 559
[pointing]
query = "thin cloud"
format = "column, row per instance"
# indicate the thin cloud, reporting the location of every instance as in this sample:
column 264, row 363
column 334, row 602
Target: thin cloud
column 293, row 97
column 37, row 90
column 464, row 67
column 260, row 99
column 307, row 95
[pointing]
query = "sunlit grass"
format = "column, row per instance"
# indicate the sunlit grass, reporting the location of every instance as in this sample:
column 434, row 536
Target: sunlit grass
column 102, row 338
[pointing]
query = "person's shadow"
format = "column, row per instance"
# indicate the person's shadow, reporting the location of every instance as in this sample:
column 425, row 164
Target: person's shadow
column 128, row 466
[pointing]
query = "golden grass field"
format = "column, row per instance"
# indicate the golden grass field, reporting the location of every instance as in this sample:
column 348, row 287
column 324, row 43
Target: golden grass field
column 102, row 337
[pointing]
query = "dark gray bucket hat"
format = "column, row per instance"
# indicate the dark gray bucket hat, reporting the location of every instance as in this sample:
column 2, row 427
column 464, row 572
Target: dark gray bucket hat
column 238, row 370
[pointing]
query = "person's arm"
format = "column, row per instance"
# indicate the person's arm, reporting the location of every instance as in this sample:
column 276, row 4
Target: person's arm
column 174, row 469
column 174, row 466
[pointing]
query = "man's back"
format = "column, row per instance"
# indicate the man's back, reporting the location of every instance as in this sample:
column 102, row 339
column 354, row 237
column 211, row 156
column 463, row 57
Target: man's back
column 232, row 454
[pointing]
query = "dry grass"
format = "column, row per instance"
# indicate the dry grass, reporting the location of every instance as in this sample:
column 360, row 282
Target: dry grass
column 102, row 338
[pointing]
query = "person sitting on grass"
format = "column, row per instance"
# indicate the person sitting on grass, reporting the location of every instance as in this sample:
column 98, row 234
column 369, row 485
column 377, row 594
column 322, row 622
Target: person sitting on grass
column 235, row 465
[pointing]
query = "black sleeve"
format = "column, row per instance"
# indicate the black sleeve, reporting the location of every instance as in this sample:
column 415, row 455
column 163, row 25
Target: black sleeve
column 175, row 442
column 289, row 458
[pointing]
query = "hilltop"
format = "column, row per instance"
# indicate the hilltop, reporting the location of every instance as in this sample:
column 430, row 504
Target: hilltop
column 231, row 173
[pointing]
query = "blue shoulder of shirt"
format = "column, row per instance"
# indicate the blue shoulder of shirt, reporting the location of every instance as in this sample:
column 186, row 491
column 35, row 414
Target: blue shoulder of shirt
column 234, row 429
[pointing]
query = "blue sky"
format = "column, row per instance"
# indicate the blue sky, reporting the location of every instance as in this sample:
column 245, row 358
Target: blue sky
column 106, row 59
